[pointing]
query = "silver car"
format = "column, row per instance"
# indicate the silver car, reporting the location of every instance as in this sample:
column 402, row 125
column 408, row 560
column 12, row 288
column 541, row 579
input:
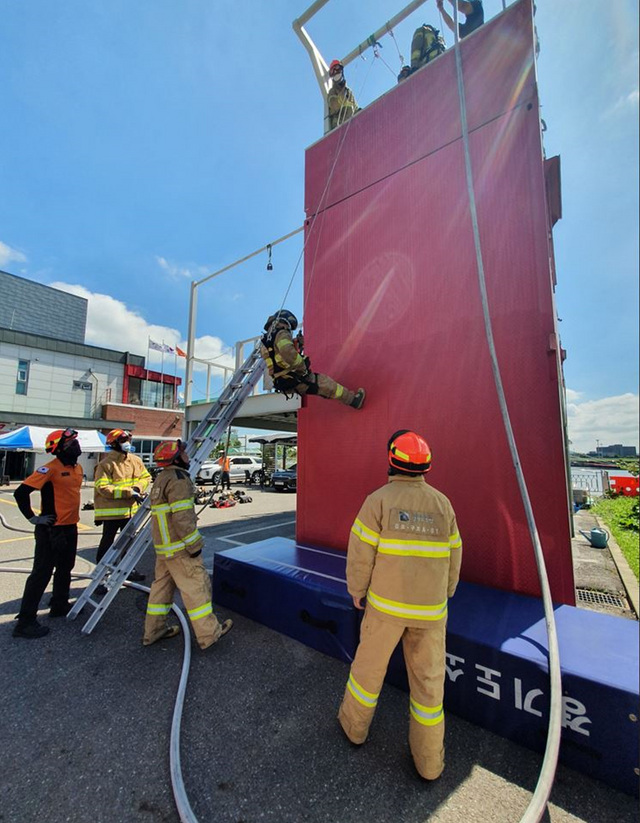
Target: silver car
column 241, row 467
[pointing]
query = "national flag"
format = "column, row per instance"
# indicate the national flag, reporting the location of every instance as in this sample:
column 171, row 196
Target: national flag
column 180, row 353
column 155, row 346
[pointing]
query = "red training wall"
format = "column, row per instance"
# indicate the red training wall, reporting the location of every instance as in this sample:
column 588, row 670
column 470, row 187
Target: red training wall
column 392, row 303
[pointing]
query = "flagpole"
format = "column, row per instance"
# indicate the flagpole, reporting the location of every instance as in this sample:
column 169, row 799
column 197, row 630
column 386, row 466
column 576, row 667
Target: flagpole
column 147, row 372
column 162, row 378
column 175, row 375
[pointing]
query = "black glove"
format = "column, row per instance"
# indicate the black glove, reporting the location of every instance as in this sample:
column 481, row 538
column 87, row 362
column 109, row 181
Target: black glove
column 137, row 497
column 43, row 519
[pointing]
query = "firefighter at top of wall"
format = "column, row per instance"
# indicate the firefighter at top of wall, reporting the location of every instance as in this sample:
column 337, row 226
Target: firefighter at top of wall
column 291, row 371
column 178, row 545
column 472, row 10
column 120, row 483
column 56, row 531
column 404, row 556
column 340, row 99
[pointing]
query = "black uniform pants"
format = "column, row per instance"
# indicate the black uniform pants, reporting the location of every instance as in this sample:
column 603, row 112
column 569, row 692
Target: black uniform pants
column 55, row 554
column 109, row 530
column 226, row 480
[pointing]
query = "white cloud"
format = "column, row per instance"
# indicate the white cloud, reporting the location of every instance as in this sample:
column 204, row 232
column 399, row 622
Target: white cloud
column 111, row 324
column 177, row 271
column 609, row 420
column 9, row 255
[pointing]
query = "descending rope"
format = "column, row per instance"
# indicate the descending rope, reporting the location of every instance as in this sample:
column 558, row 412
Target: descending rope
column 537, row 805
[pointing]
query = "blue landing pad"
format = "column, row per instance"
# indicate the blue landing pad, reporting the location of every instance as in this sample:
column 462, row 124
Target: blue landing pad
column 496, row 652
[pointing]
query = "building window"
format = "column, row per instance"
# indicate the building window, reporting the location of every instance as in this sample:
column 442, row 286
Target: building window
column 22, row 379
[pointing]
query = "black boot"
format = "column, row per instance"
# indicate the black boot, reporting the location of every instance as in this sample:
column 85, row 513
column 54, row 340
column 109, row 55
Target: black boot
column 30, row 629
column 136, row 577
column 358, row 400
column 60, row 611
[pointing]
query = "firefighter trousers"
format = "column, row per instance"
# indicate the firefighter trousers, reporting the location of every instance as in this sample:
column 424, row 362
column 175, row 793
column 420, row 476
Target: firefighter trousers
column 189, row 576
column 327, row 387
column 424, row 654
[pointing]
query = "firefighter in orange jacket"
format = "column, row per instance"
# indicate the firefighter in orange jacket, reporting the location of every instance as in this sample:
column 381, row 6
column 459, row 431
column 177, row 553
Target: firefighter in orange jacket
column 404, row 556
column 290, row 370
column 178, row 546
column 120, row 481
column 56, row 530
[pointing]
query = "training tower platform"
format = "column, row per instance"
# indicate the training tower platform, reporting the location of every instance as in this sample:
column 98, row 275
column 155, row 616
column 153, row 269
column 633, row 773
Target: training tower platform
column 392, row 303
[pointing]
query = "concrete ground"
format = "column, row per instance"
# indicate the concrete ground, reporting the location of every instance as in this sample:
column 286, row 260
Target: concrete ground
column 85, row 721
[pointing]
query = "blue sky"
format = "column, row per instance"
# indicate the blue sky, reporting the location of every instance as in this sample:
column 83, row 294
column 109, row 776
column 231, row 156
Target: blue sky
column 147, row 144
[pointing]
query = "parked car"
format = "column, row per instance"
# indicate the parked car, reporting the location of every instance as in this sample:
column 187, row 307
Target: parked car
column 285, row 479
column 239, row 465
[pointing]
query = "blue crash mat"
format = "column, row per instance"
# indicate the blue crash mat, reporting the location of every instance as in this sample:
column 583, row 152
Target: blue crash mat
column 496, row 652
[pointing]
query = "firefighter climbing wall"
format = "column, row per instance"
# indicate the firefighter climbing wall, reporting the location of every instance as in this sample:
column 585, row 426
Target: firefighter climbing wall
column 392, row 303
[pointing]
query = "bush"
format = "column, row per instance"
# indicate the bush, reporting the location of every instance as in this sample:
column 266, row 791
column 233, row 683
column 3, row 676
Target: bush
column 620, row 515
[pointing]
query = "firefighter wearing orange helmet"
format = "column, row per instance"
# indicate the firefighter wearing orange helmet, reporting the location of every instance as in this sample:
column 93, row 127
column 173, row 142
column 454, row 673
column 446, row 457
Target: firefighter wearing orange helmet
column 56, row 531
column 404, row 557
column 291, row 371
column 120, row 482
column 178, row 545
column 341, row 102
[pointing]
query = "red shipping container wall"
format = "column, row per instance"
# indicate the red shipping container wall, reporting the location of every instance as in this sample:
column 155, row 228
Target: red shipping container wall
column 624, row 485
column 392, row 303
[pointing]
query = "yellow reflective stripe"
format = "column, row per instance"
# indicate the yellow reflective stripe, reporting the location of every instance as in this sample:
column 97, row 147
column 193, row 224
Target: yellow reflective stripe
column 201, row 611
column 106, row 481
column 398, row 453
column 368, row 699
column 339, row 390
column 415, row 548
column 365, row 534
column 158, row 608
column 427, row 715
column 117, row 495
column 171, row 548
column 114, row 512
column 181, row 505
column 161, row 520
column 159, row 507
column 455, row 541
column 407, row 610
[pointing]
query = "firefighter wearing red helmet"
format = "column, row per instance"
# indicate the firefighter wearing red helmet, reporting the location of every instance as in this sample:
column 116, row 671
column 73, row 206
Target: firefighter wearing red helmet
column 291, row 371
column 56, row 531
column 120, row 482
column 404, row 557
column 340, row 100
column 178, row 545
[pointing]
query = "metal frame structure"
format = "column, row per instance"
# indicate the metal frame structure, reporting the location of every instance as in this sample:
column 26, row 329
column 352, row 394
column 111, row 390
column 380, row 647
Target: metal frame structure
column 319, row 64
column 193, row 308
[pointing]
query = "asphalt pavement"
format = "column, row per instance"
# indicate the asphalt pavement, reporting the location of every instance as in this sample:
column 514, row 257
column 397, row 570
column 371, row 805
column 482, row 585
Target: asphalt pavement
column 85, row 720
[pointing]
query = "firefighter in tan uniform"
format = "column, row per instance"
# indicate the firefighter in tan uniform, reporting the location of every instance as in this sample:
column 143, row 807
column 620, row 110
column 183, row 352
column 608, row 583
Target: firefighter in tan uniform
column 340, row 100
column 178, row 546
column 404, row 556
column 291, row 372
column 120, row 481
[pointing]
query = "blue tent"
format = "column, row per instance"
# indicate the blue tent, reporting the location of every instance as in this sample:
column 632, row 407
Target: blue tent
column 32, row 439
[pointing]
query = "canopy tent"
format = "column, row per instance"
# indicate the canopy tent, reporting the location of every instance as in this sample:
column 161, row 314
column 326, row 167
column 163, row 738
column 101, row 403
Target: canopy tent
column 32, row 438
column 288, row 439
column 276, row 440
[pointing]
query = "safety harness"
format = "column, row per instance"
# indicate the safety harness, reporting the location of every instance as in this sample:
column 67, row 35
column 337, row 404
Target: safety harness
column 286, row 380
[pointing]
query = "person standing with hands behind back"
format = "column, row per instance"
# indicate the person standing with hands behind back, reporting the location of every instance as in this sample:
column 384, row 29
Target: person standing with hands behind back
column 404, row 557
column 56, row 530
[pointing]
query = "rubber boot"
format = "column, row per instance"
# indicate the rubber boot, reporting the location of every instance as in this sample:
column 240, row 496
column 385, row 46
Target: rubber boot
column 30, row 629
column 358, row 400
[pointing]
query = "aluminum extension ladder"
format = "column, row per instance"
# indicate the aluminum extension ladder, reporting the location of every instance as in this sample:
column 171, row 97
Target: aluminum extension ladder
column 135, row 538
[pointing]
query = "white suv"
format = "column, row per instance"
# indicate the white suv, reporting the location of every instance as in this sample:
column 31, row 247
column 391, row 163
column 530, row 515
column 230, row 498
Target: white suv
column 239, row 466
